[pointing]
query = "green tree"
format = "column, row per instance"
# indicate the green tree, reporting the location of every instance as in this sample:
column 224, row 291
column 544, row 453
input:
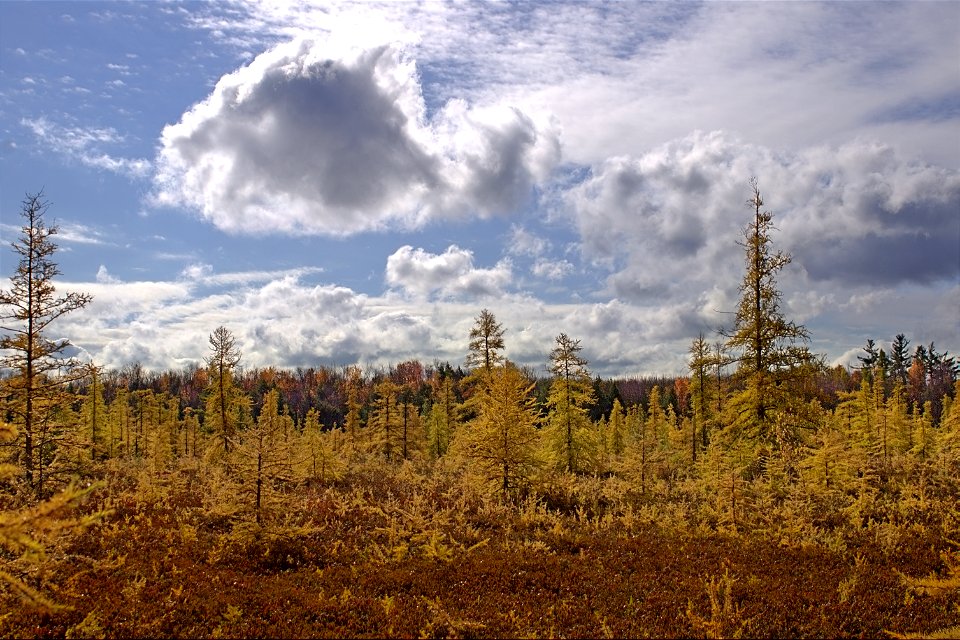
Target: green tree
column 35, row 393
column 770, row 349
column 571, row 442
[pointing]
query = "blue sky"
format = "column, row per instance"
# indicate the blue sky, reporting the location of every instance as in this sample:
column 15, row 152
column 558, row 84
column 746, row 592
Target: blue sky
column 344, row 183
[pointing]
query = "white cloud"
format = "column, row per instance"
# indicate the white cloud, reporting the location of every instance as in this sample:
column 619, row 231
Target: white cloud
column 79, row 233
column 450, row 274
column 524, row 243
column 309, row 140
column 552, row 269
column 104, row 277
column 84, row 145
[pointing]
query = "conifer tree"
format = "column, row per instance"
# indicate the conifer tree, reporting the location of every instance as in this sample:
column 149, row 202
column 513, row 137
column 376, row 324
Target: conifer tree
column 386, row 420
column 442, row 421
column 321, row 454
column 261, row 459
column 617, row 428
column 770, row 349
column 570, row 440
column 220, row 416
column 486, row 342
column 501, row 443
column 900, row 359
column 948, row 440
column 35, row 392
column 353, row 418
column 700, row 359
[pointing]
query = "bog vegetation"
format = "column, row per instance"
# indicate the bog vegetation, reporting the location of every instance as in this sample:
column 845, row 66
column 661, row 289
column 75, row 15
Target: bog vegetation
column 765, row 494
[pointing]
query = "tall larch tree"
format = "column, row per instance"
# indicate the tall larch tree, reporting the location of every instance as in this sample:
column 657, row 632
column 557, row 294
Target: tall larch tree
column 224, row 357
column 769, row 349
column 94, row 414
column 486, row 342
column 571, row 442
column 262, row 458
column 501, row 443
column 700, row 360
column 386, row 421
column 35, row 392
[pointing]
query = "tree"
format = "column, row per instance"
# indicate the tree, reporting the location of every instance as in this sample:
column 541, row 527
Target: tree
column 225, row 355
column 569, row 437
column 770, row 348
column 869, row 361
column 41, row 369
column 486, row 342
column 900, row 359
column 262, row 459
column 700, row 360
column 387, row 420
column 94, row 414
column 442, row 420
column 501, row 443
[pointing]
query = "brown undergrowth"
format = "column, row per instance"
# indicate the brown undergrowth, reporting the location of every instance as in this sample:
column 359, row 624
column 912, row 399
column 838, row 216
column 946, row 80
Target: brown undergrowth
column 401, row 552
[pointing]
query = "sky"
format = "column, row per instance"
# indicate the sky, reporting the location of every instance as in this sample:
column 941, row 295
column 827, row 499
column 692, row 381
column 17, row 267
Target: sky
column 352, row 183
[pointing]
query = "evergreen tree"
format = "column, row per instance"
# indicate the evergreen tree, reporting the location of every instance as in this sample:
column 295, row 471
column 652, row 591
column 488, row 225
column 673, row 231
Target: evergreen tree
column 900, row 359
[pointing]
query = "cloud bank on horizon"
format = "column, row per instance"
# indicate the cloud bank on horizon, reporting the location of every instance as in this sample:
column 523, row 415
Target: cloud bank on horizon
column 351, row 183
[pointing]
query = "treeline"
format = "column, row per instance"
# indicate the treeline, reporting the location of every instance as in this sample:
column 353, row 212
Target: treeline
column 324, row 390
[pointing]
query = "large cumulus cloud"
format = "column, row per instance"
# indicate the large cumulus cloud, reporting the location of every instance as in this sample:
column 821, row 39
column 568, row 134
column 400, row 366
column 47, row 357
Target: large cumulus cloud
column 857, row 214
column 305, row 140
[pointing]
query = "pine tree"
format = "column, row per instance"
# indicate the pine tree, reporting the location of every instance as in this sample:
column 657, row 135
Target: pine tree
column 900, row 359
column 35, row 393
